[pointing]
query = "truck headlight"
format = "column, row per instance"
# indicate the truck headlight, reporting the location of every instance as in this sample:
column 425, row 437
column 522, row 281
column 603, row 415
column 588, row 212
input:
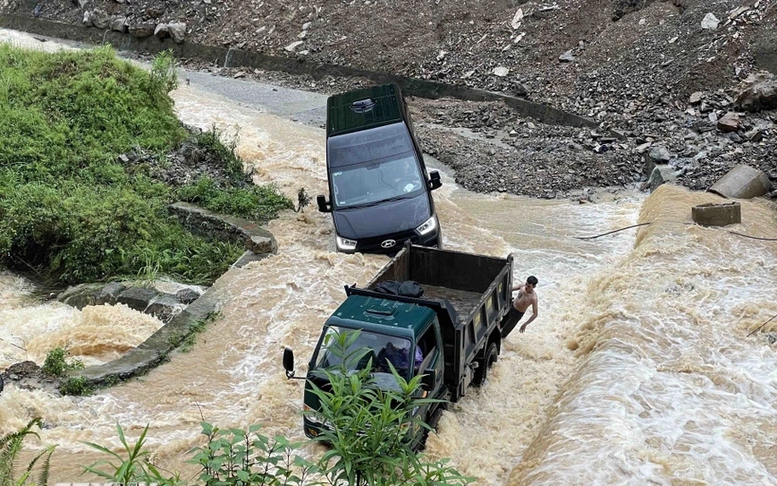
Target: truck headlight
column 428, row 226
column 345, row 243
column 312, row 417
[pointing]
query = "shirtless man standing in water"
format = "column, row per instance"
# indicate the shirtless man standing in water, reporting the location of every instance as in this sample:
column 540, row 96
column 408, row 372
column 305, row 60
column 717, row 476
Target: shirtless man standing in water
column 526, row 297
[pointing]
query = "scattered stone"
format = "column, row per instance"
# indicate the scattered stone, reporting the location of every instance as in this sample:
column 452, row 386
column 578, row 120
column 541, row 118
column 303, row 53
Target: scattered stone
column 517, row 18
column 101, row 19
column 177, row 31
column 293, row 46
column 143, row 30
column 710, row 22
column 567, row 57
column 501, row 71
column 659, row 175
column 696, row 98
column 660, row 155
column 187, row 296
column 162, row 31
column 729, row 122
column 758, row 92
column 119, row 24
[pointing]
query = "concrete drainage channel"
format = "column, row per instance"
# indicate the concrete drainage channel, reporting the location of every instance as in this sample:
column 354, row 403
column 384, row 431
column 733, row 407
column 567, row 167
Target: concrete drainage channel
column 230, row 57
column 259, row 243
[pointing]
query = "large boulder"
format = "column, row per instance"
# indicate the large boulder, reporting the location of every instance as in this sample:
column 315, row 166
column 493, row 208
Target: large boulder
column 177, row 31
column 758, row 92
column 101, row 19
column 145, row 29
column 742, row 182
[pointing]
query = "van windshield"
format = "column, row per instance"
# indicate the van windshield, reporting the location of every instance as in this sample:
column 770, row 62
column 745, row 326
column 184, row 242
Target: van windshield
column 381, row 349
column 375, row 165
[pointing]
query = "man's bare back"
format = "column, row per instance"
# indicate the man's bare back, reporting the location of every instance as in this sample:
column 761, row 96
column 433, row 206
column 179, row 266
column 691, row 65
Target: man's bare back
column 526, row 297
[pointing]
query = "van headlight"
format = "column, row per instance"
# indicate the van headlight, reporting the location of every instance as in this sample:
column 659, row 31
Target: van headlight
column 428, row 226
column 345, row 243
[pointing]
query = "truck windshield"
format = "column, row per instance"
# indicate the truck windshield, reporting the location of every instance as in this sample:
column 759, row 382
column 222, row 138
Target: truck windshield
column 374, row 165
column 381, row 349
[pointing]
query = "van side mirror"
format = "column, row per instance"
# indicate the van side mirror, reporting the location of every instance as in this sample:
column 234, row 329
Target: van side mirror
column 288, row 362
column 434, row 180
column 428, row 379
column 324, row 206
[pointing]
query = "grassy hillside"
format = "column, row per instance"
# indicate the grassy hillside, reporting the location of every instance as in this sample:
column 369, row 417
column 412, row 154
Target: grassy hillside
column 71, row 208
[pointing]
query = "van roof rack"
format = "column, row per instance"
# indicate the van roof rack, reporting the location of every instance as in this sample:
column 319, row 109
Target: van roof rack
column 363, row 108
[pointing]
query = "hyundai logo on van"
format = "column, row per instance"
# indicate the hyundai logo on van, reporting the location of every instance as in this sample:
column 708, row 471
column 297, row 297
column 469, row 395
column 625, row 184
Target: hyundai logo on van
column 388, row 243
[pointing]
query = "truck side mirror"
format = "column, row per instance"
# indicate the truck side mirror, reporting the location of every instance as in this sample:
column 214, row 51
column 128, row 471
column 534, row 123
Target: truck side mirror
column 324, row 206
column 429, row 379
column 434, row 180
column 288, row 362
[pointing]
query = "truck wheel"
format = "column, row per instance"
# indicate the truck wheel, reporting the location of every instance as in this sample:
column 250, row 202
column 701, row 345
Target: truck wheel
column 481, row 373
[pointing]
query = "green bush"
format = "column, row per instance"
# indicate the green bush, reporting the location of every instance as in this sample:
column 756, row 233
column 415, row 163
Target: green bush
column 77, row 386
column 237, row 457
column 56, row 363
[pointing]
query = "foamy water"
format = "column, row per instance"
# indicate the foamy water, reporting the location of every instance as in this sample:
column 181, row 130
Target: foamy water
column 638, row 369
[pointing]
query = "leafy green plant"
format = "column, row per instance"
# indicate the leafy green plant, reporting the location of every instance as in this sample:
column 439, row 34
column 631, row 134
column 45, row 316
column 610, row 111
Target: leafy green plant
column 259, row 203
column 371, row 431
column 11, row 446
column 163, row 76
column 197, row 328
column 76, row 385
column 211, row 141
column 56, row 363
column 130, row 467
column 240, row 458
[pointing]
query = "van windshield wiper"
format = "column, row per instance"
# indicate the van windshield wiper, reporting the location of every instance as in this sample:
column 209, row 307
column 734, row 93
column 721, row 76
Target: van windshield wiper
column 375, row 203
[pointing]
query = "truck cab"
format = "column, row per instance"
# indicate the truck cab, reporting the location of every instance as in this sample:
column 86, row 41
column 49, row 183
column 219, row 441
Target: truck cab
column 405, row 334
column 380, row 191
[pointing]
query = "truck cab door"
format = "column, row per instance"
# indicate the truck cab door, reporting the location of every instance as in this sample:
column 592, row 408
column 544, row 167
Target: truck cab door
column 430, row 343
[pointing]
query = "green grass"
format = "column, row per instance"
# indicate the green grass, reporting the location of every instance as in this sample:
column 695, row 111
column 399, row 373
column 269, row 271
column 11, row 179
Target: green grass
column 69, row 210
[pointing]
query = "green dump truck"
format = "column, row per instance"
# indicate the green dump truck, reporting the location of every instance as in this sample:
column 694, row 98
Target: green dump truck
column 452, row 333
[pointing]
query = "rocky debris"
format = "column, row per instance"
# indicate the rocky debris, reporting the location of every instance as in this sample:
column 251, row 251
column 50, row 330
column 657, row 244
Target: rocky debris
column 184, row 165
column 656, row 77
column 187, row 296
column 27, row 375
column 660, row 175
column 161, row 31
column 143, row 30
column 177, row 31
column 758, row 92
column 119, row 24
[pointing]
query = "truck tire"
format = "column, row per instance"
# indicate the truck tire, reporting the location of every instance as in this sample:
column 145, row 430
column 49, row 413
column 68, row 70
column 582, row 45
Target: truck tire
column 485, row 363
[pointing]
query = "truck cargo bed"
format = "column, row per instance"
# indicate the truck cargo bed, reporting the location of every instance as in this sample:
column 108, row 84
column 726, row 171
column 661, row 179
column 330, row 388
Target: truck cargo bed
column 470, row 294
column 464, row 302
